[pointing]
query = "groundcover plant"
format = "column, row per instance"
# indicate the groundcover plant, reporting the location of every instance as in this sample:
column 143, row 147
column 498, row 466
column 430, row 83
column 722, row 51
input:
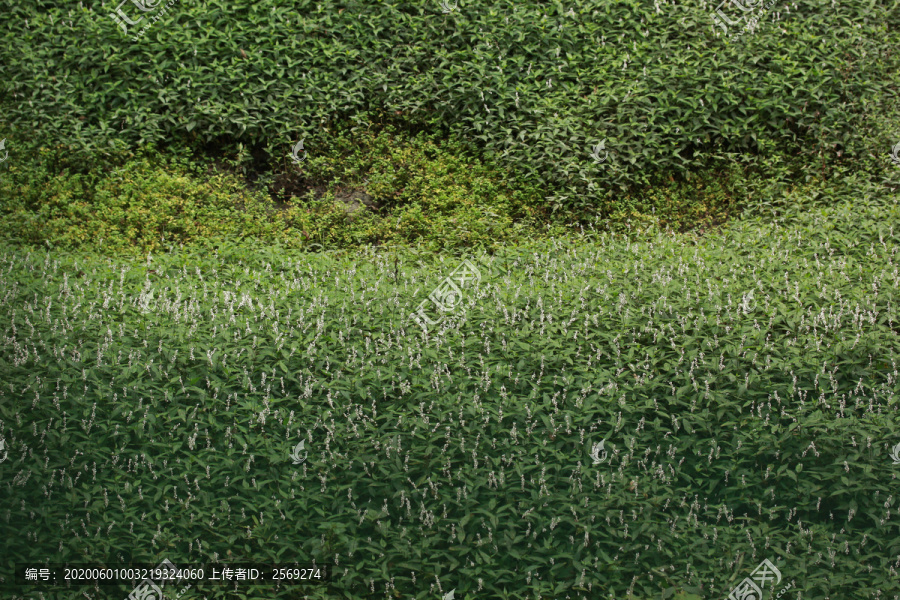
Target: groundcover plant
column 596, row 418
column 583, row 416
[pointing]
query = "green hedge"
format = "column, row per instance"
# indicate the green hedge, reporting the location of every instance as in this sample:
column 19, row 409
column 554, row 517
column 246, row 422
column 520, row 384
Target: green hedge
column 537, row 84
column 708, row 367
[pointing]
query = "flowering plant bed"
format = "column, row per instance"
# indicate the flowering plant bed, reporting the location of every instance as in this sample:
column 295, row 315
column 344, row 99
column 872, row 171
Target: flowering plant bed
column 601, row 416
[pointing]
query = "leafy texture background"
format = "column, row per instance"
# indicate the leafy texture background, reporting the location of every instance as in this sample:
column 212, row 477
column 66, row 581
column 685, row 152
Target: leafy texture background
column 747, row 412
column 536, row 84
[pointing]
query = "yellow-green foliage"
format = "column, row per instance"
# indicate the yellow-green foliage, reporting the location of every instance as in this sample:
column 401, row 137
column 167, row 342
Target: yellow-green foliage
column 424, row 191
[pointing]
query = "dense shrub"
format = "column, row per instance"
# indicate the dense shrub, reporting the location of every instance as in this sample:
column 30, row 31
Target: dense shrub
column 536, row 85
